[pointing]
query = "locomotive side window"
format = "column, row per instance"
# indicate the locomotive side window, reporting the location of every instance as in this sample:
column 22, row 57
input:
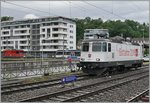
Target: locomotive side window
column 109, row 47
column 104, row 47
column 96, row 47
column 85, row 47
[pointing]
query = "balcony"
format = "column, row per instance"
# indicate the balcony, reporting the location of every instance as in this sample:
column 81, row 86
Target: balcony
column 59, row 26
column 60, row 32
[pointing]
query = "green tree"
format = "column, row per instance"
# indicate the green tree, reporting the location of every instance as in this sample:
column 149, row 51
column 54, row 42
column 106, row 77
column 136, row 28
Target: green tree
column 129, row 28
column 6, row 18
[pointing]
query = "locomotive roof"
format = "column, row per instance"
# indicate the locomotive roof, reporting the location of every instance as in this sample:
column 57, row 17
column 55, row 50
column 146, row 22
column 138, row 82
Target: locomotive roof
column 111, row 40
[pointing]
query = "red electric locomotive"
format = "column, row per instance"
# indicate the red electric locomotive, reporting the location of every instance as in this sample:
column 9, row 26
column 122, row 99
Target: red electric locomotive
column 13, row 54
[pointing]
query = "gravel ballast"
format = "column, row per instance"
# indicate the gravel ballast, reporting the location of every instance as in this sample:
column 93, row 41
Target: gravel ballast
column 122, row 93
column 30, row 93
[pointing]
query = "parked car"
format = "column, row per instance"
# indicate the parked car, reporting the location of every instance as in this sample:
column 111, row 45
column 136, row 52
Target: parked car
column 146, row 58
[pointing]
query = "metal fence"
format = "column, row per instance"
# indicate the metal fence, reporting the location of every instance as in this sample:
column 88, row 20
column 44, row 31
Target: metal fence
column 32, row 68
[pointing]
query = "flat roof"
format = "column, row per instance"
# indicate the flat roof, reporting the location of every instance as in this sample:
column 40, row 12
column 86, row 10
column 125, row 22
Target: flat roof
column 43, row 19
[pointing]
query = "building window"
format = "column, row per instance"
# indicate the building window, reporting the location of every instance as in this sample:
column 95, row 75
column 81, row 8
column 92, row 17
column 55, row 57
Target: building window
column 16, row 26
column 23, row 42
column 71, row 47
column 48, row 30
column 71, row 31
column 56, row 23
column 71, row 37
column 55, row 47
column 4, row 42
column 22, row 47
column 22, row 37
column 43, row 41
column 65, row 24
column 23, row 31
column 55, row 35
column 55, row 29
column 5, row 32
column 28, row 26
column 43, row 30
column 23, row 26
column 17, row 32
column 71, row 42
column 71, row 26
column 48, row 35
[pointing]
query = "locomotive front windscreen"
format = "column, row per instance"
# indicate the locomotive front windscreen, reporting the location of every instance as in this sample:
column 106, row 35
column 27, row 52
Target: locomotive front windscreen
column 99, row 47
column 96, row 46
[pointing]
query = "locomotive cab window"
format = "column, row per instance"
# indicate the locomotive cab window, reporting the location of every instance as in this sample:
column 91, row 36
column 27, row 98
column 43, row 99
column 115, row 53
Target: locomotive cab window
column 85, row 47
column 109, row 47
column 104, row 47
column 96, row 47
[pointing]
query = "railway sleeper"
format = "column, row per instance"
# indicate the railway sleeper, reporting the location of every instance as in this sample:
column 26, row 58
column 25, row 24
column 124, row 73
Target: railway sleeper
column 56, row 99
column 63, row 97
column 77, row 94
column 145, row 99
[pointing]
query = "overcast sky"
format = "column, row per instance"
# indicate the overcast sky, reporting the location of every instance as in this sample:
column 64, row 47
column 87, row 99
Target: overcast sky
column 134, row 10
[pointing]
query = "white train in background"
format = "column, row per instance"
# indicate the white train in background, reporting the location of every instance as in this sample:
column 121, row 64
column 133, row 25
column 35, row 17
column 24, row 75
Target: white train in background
column 100, row 54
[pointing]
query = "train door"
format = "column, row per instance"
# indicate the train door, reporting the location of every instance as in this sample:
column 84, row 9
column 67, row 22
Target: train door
column 109, row 52
column 113, row 51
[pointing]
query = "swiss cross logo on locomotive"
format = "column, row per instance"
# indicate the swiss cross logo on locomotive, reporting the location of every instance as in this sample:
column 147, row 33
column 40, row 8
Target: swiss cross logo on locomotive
column 89, row 55
column 131, row 52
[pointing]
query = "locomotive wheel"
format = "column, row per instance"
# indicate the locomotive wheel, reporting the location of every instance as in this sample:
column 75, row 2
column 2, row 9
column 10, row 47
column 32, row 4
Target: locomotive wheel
column 120, row 68
column 104, row 72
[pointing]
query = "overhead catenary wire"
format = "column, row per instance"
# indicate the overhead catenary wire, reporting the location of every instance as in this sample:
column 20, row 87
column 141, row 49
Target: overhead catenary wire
column 104, row 10
column 137, row 6
column 74, row 6
column 83, row 9
column 20, row 11
column 29, row 8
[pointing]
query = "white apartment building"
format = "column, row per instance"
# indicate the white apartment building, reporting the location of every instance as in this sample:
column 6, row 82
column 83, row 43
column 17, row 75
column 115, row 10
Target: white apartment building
column 43, row 34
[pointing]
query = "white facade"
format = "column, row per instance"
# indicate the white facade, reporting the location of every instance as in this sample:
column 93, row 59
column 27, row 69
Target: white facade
column 43, row 34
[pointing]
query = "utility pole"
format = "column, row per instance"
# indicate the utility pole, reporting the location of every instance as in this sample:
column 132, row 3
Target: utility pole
column 28, row 47
column 143, row 42
column 63, row 46
column 35, row 53
column 0, row 36
column 42, row 54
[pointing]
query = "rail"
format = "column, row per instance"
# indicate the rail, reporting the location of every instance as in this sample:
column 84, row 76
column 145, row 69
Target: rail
column 138, row 97
column 86, row 87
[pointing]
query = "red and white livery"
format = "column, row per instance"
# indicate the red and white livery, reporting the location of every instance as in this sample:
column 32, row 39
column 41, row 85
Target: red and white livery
column 100, row 53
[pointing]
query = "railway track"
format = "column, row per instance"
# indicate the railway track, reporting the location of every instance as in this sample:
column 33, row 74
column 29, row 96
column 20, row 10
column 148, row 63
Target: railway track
column 142, row 97
column 22, row 87
column 77, row 93
column 36, row 85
